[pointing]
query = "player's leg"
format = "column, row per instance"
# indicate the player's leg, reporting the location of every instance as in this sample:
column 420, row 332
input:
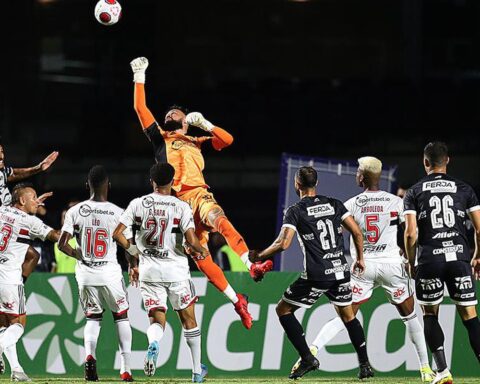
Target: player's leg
column 182, row 297
column 300, row 294
column 472, row 324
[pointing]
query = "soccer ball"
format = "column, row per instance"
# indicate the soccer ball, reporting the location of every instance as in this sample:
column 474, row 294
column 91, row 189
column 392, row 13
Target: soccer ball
column 108, row 12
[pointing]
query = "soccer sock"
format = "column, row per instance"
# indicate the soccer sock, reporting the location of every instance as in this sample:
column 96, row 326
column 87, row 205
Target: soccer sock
column 194, row 342
column 11, row 354
column 125, row 344
column 11, row 335
column 357, row 336
column 473, row 328
column 328, row 332
column 213, row 273
column 415, row 332
column 231, row 294
column 233, row 238
column 295, row 334
column 154, row 333
column 90, row 336
column 435, row 339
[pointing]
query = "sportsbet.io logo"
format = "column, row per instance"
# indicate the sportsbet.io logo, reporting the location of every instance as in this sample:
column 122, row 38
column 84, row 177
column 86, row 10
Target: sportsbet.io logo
column 361, row 200
column 147, row 202
column 85, row 210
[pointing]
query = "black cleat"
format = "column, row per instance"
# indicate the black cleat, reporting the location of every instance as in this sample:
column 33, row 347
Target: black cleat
column 91, row 369
column 305, row 366
column 366, row 371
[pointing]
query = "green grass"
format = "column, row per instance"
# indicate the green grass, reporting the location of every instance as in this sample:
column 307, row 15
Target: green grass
column 263, row 380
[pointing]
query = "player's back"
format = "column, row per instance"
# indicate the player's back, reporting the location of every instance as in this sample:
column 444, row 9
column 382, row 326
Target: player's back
column 441, row 204
column 378, row 214
column 93, row 223
column 161, row 221
column 317, row 221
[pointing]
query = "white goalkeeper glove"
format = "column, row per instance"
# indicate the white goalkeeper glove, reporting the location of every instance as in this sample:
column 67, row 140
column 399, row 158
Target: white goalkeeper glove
column 132, row 250
column 139, row 66
column 197, row 120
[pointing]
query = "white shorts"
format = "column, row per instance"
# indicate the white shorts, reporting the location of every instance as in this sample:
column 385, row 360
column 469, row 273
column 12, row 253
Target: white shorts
column 112, row 296
column 392, row 277
column 180, row 294
column 12, row 299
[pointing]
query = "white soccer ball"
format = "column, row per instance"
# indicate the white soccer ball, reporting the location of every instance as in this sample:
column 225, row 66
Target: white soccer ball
column 108, row 12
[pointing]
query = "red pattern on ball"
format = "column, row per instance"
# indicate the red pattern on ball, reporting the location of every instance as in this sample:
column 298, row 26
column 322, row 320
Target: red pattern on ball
column 105, row 17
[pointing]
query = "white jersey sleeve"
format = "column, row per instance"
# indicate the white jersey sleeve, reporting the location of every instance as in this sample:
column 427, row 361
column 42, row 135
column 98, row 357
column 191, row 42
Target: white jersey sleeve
column 68, row 222
column 38, row 229
column 186, row 222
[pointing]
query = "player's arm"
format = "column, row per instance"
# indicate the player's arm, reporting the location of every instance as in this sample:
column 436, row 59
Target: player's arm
column 357, row 236
column 281, row 243
column 53, row 235
column 22, row 173
column 194, row 243
column 220, row 137
column 475, row 218
column 410, row 237
column 139, row 66
column 31, row 260
column 121, row 240
column 66, row 248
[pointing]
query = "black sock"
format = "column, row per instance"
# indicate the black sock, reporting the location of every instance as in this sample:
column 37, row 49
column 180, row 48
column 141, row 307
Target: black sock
column 435, row 339
column 295, row 334
column 473, row 328
column 357, row 336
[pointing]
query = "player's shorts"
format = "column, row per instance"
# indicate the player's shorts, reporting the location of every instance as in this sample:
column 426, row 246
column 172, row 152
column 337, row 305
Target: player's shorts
column 304, row 293
column 12, row 299
column 392, row 277
column 202, row 202
column 180, row 294
column 430, row 280
column 95, row 299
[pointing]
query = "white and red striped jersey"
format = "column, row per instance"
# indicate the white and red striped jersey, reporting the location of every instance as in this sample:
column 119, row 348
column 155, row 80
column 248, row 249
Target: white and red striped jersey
column 17, row 229
column 92, row 223
column 378, row 214
column 161, row 222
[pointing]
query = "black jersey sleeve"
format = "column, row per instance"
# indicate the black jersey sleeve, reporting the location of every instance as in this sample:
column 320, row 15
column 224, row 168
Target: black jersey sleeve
column 343, row 212
column 409, row 202
column 472, row 200
column 155, row 137
column 290, row 219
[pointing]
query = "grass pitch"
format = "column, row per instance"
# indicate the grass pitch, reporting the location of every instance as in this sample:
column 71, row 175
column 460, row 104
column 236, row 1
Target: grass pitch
column 263, row 380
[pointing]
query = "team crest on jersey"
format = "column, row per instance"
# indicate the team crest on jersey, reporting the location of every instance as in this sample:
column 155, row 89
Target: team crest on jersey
column 321, row 210
column 440, row 186
column 147, row 201
column 361, row 200
column 177, row 144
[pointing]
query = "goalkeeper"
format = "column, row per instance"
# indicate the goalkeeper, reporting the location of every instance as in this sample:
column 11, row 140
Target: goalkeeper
column 172, row 144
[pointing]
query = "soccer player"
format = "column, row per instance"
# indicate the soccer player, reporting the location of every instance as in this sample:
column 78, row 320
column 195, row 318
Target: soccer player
column 18, row 226
column 11, row 175
column 98, row 274
column 163, row 225
column 438, row 206
column 317, row 220
column 378, row 213
column 172, row 144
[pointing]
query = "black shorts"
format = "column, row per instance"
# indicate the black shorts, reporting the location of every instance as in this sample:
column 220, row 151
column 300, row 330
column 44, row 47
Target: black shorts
column 304, row 293
column 431, row 278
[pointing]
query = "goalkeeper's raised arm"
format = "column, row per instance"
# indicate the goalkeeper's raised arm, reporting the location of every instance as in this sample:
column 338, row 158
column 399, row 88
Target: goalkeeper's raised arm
column 139, row 66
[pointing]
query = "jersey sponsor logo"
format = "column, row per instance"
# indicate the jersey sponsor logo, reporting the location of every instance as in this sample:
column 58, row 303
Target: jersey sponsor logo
column 432, row 295
column 363, row 200
column 151, row 302
column 345, row 287
column 308, row 236
column 357, row 290
column 185, row 299
column 85, row 210
column 147, row 201
column 341, row 268
column 8, row 305
column 373, row 248
column 460, row 213
column 152, row 252
column 431, row 284
column 94, row 264
column 440, row 186
column 333, row 255
column 321, row 210
column 399, row 292
column 445, row 235
column 464, row 282
column 449, row 249
column 3, row 260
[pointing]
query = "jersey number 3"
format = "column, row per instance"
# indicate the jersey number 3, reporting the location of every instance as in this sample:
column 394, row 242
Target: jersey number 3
column 5, row 234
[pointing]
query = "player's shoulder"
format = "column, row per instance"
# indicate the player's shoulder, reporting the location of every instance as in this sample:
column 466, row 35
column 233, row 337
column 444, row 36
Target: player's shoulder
column 115, row 208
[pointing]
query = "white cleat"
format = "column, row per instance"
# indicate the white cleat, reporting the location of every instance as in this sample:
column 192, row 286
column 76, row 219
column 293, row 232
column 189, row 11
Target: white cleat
column 19, row 376
column 313, row 350
column 443, row 378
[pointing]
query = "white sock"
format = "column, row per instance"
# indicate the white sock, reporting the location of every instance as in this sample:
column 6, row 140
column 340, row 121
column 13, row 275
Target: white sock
column 90, row 336
column 154, row 333
column 415, row 332
column 245, row 260
column 125, row 344
column 328, row 332
column 11, row 354
column 231, row 294
column 11, row 335
column 194, row 341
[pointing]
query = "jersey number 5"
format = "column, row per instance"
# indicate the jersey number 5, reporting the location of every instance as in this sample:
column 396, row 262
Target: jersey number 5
column 5, row 234
column 373, row 232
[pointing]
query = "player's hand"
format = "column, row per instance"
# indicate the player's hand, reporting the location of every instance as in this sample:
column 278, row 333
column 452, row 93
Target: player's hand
column 78, row 253
column 358, row 267
column 197, row 120
column 139, row 66
column 41, row 199
column 133, row 276
column 48, row 161
column 254, row 256
column 476, row 268
column 133, row 250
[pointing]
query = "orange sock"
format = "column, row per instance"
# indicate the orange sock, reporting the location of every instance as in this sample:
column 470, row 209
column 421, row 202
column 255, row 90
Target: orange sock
column 213, row 272
column 234, row 239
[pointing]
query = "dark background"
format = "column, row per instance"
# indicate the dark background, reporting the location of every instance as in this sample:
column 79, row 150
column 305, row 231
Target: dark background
column 326, row 78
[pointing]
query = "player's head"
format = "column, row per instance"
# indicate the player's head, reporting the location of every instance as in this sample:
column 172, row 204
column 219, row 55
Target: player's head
column 368, row 172
column 24, row 197
column 97, row 179
column 175, row 119
column 161, row 175
column 305, row 179
column 435, row 156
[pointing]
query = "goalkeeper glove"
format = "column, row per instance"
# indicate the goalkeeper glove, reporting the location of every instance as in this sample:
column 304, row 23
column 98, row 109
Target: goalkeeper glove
column 197, row 120
column 139, row 66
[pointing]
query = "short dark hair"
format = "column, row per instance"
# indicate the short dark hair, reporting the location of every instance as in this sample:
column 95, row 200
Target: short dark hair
column 162, row 173
column 307, row 177
column 97, row 176
column 17, row 191
column 436, row 153
column 179, row 107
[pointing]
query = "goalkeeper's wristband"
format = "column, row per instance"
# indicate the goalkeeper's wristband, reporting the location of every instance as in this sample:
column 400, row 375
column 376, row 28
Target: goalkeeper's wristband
column 207, row 126
column 139, row 77
column 132, row 250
